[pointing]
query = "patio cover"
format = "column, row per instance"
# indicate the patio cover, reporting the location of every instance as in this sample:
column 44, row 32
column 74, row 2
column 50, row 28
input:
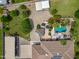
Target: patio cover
column 42, row 5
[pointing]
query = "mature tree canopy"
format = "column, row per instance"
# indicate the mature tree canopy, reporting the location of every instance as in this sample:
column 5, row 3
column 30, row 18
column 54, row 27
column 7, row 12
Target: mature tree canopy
column 13, row 1
column 26, row 25
column 77, row 14
column 14, row 12
column 51, row 21
column 6, row 18
column 23, row 7
column 26, row 13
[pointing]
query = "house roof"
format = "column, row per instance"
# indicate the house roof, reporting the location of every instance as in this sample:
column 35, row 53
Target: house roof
column 54, row 50
column 3, row 1
column 67, row 51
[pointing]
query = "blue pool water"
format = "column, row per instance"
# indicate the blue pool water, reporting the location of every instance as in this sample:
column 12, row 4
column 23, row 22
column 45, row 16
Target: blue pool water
column 61, row 29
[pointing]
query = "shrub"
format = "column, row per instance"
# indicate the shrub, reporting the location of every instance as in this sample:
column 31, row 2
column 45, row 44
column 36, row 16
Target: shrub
column 23, row 7
column 77, row 55
column 64, row 22
column 7, row 18
column 26, row 25
column 26, row 13
column 14, row 12
column 51, row 21
column 77, row 14
column 38, row 26
column 54, row 11
column 57, row 16
column 6, row 27
column 13, row 1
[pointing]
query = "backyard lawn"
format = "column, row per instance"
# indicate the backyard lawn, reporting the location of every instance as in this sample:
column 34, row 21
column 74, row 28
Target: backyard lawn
column 20, row 23
column 65, row 7
column 16, row 26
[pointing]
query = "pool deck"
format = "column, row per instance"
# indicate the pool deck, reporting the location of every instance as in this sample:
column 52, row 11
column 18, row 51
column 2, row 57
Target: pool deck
column 47, row 37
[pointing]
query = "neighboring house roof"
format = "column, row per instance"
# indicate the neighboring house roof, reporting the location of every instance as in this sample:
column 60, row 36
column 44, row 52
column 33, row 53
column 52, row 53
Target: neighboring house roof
column 9, row 48
column 2, row 2
column 40, row 5
column 25, row 51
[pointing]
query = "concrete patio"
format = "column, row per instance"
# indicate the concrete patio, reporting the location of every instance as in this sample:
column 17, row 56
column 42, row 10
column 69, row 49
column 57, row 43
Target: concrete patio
column 38, row 17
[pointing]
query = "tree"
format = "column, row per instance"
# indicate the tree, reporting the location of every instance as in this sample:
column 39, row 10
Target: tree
column 1, row 10
column 57, row 18
column 26, row 25
column 23, row 7
column 51, row 21
column 77, row 14
column 26, row 13
column 38, row 26
column 77, row 55
column 64, row 22
column 13, row 1
column 14, row 12
column 7, row 18
column 54, row 11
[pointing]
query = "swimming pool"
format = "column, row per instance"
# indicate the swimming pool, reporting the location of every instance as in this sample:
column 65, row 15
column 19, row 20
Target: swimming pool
column 61, row 29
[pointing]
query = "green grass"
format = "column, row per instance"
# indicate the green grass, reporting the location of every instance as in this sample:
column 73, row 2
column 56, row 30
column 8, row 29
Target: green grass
column 19, row 1
column 65, row 7
column 0, row 44
column 16, row 25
